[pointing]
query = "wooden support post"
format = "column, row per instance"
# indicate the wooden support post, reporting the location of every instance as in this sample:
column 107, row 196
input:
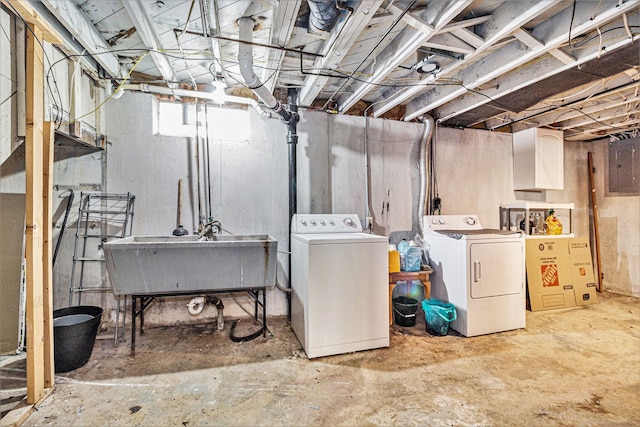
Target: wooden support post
column 35, row 226
column 47, row 256
column 594, row 210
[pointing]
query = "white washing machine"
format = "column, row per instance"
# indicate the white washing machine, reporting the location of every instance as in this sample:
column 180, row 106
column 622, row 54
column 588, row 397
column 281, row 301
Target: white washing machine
column 481, row 271
column 339, row 275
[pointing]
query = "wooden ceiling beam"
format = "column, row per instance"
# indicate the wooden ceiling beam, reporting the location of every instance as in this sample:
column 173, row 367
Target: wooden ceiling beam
column 504, row 82
column 553, row 33
column 342, row 38
column 76, row 22
column 438, row 14
column 500, row 25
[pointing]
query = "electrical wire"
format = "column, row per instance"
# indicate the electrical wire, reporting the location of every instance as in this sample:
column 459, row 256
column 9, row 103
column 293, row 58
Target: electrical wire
column 573, row 15
column 384, row 36
column 110, row 96
column 190, row 55
column 9, row 97
column 46, row 56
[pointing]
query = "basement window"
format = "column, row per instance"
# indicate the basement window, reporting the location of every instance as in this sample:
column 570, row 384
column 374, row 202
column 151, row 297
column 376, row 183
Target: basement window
column 177, row 119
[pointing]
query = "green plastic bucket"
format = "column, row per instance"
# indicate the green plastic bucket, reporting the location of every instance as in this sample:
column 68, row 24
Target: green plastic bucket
column 438, row 314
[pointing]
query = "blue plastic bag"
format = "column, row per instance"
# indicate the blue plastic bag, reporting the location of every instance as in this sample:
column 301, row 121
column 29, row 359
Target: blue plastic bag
column 410, row 256
column 438, row 315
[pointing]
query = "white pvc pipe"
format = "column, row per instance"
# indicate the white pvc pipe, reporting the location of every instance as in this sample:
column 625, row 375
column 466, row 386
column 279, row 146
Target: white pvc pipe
column 162, row 90
column 196, row 305
column 245, row 58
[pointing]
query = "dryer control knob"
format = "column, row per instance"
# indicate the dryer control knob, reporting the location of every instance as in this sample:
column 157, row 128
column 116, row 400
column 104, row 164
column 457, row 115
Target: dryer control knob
column 303, row 222
column 322, row 222
column 471, row 221
column 313, row 222
column 441, row 221
column 434, row 221
column 348, row 221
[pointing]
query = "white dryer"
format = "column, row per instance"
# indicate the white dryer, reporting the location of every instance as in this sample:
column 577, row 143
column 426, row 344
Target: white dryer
column 481, row 271
column 339, row 280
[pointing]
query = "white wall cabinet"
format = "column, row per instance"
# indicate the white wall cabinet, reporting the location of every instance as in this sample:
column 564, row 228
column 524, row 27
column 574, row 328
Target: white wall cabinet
column 538, row 160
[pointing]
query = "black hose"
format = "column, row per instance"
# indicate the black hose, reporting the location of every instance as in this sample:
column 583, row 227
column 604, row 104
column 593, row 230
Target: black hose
column 250, row 337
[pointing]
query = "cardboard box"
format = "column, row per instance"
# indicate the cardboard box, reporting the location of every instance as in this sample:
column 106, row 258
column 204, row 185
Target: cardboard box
column 548, row 279
column 559, row 273
column 582, row 272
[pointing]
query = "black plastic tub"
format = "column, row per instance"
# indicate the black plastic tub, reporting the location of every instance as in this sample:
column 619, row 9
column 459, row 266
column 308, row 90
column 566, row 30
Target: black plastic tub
column 74, row 334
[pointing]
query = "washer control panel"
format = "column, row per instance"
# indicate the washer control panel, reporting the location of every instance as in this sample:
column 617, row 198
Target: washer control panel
column 451, row 222
column 325, row 223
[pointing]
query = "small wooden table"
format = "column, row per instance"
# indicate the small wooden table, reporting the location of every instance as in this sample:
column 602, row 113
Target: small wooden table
column 409, row 276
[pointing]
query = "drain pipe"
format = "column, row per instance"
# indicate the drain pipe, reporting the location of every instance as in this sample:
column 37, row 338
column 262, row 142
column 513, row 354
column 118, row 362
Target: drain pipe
column 290, row 118
column 245, row 59
column 424, row 152
column 292, row 143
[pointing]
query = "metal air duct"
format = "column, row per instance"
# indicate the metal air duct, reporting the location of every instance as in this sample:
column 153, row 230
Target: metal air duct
column 424, row 152
column 323, row 15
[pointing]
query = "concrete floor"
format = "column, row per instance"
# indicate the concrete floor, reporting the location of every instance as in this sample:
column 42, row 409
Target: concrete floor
column 578, row 366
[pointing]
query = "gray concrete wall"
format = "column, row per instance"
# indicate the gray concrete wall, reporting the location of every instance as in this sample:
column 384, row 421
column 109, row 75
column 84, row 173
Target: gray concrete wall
column 250, row 188
column 248, row 185
column 619, row 229
column 249, row 177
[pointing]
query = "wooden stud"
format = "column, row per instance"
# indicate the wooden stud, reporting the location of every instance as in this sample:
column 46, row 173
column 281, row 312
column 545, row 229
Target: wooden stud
column 594, row 211
column 34, row 222
column 47, row 256
column 29, row 14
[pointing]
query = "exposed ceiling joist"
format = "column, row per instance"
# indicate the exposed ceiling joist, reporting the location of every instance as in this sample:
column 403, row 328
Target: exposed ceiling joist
column 419, row 54
column 526, row 38
column 533, row 72
column 283, row 23
column 414, row 21
column 591, row 101
column 552, row 33
column 606, row 114
column 599, row 130
column 403, row 46
column 83, row 30
column 466, row 23
column 144, row 25
column 449, row 43
column 341, row 39
column 504, row 21
column 468, row 36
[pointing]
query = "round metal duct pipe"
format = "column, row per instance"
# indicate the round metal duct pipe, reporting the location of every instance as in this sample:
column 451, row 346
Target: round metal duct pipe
column 323, row 15
column 425, row 144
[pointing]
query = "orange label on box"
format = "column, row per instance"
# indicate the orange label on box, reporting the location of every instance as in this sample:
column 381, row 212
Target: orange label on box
column 583, row 272
column 549, row 275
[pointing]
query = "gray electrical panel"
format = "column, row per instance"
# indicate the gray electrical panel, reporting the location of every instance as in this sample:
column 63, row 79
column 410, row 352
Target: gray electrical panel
column 624, row 166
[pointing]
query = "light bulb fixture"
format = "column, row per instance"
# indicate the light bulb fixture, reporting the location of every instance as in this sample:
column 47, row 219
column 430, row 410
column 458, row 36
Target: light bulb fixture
column 217, row 88
column 427, row 66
